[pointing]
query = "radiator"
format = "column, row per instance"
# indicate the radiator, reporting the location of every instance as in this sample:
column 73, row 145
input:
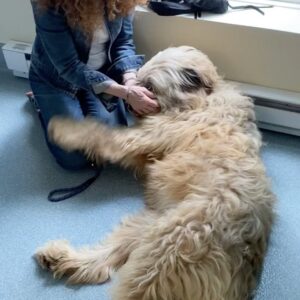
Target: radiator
column 276, row 110
column 17, row 57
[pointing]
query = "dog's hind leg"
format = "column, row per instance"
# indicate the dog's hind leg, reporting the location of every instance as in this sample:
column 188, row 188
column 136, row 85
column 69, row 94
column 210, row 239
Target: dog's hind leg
column 95, row 264
column 177, row 259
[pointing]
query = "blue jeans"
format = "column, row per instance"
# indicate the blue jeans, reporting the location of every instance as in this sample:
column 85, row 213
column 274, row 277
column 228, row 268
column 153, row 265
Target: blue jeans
column 53, row 102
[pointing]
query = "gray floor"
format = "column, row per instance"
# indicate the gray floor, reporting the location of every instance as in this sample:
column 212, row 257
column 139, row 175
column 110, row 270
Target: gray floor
column 28, row 220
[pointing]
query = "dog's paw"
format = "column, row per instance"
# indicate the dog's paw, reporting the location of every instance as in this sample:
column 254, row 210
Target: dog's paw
column 53, row 255
column 81, row 267
column 70, row 134
column 62, row 131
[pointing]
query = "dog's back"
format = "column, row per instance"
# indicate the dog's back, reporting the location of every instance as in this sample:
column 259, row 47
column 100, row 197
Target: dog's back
column 211, row 189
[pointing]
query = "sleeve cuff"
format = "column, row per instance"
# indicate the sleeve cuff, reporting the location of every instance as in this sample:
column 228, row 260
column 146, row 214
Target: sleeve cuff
column 130, row 71
column 99, row 88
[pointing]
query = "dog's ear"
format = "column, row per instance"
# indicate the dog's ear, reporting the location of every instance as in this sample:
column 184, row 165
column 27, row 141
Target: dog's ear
column 192, row 81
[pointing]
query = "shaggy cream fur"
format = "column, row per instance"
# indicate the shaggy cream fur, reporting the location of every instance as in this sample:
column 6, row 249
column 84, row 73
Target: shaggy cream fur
column 209, row 208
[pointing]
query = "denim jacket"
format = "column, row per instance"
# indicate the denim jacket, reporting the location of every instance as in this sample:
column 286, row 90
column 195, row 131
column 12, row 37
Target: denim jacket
column 60, row 53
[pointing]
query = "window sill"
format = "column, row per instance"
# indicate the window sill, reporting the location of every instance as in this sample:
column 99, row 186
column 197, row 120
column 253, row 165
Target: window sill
column 244, row 45
column 284, row 17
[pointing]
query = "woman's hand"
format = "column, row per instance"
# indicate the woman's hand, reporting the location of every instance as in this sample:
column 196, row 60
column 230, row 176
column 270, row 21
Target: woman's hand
column 141, row 100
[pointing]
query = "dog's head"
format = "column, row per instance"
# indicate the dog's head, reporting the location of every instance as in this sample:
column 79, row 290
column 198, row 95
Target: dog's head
column 179, row 77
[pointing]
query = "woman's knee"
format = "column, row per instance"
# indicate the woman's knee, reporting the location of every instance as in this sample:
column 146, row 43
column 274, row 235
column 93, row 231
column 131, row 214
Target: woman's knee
column 69, row 160
column 73, row 164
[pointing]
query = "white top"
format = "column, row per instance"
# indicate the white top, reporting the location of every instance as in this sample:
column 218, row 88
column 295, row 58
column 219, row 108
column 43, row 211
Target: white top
column 98, row 56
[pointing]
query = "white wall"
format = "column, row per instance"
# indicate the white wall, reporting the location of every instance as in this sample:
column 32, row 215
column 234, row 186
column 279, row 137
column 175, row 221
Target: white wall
column 16, row 21
column 252, row 55
column 256, row 56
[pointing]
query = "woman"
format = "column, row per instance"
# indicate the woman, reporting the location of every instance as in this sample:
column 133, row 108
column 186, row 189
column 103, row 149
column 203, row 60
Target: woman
column 83, row 62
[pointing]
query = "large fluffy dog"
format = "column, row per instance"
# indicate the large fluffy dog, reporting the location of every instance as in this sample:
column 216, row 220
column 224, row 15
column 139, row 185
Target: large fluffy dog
column 209, row 208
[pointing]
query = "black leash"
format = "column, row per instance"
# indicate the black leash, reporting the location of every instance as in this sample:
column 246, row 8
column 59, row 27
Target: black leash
column 66, row 193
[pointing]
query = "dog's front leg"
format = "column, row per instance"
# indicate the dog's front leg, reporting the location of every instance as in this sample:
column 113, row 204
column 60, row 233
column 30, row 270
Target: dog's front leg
column 128, row 146
column 98, row 141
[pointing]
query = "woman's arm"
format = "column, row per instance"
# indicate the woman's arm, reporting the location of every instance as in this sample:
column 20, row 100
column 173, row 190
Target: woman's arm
column 54, row 32
column 124, row 57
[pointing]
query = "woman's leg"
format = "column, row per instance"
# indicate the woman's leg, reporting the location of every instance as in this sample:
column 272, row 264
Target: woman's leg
column 92, row 106
column 52, row 102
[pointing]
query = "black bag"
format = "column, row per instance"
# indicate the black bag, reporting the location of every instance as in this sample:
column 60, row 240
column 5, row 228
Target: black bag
column 212, row 6
column 179, row 7
column 170, row 8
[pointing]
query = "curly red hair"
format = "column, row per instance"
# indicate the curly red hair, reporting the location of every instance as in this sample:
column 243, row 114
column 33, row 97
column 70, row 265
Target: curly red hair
column 88, row 14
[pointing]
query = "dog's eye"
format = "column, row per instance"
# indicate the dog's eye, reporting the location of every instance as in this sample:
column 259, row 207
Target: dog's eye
column 149, row 87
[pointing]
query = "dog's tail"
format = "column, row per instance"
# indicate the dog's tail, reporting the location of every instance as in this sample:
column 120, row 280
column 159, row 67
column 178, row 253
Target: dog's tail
column 179, row 258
